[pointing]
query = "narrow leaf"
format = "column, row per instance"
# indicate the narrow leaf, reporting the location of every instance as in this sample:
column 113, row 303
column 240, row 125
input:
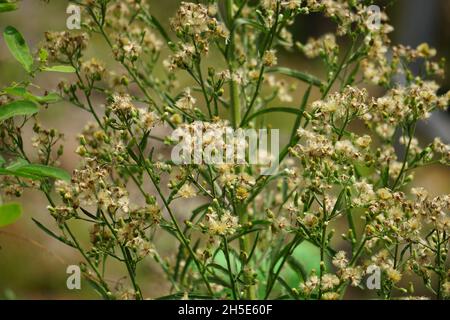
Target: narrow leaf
column 19, row 163
column 302, row 76
column 49, row 98
column 270, row 110
column 63, row 69
column 256, row 25
column 45, row 171
column 5, row 172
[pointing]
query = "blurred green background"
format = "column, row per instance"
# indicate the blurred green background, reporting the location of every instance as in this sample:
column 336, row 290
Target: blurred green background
column 33, row 266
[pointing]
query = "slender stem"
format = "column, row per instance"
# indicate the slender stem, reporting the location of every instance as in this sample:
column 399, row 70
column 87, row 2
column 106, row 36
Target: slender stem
column 80, row 249
column 267, row 45
column 180, row 233
column 230, row 271
column 337, row 72
column 411, row 130
column 126, row 258
column 294, row 243
column 234, row 88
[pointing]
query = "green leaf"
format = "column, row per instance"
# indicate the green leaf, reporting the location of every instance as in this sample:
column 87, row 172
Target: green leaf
column 2, row 161
column 22, row 92
column 49, row 98
column 18, row 108
column 8, row 6
column 9, row 213
column 16, row 91
column 44, row 171
column 5, row 172
column 270, row 110
column 255, row 24
column 18, row 47
column 302, row 76
column 63, row 69
column 19, row 163
column 22, row 168
column 13, row 170
column 155, row 23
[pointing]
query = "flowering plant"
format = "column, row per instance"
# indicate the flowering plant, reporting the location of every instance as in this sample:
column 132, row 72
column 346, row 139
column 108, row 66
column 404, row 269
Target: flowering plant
column 252, row 235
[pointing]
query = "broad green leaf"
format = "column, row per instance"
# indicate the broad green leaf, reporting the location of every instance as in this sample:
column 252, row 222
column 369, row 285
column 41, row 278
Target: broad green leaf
column 302, row 76
column 9, row 213
column 2, row 161
column 18, row 47
column 22, row 92
column 45, row 171
column 8, row 6
column 63, row 69
column 18, row 108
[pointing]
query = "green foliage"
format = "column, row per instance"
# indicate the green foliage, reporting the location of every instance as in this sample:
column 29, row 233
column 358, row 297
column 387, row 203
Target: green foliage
column 21, row 168
column 18, row 108
column 18, row 47
column 61, row 69
column 6, row 6
column 299, row 75
column 23, row 93
column 9, row 213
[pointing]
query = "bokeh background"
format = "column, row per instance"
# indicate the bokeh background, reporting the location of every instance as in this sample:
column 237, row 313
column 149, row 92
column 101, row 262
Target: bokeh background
column 33, row 266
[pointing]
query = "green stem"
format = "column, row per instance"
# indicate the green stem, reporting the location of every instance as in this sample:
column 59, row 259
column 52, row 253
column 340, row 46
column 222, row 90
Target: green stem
column 234, row 88
column 230, row 272
column 180, row 233
column 80, row 249
column 235, row 103
column 411, row 129
column 126, row 259
column 244, row 244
